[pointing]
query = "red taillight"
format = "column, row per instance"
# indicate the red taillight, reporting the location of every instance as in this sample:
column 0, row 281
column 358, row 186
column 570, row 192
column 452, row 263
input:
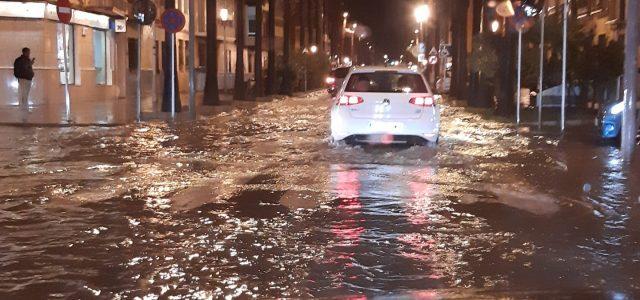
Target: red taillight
column 422, row 101
column 350, row 100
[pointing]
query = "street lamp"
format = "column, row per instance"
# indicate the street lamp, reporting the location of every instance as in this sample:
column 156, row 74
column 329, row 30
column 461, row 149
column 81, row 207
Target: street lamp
column 495, row 26
column 224, row 17
column 421, row 13
column 313, row 50
column 354, row 26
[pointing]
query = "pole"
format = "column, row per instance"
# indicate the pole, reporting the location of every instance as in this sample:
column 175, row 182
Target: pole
column 541, row 66
column 139, row 76
column 353, row 57
column 154, row 96
column 226, row 57
column 306, row 69
column 519, row 84
column 629, row 129
column 67, row 99
column 173, row 74
column 565, row 18
column 192, row 60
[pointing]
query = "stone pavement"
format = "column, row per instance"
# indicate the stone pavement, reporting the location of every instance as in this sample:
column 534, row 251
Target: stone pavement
column 108, row 113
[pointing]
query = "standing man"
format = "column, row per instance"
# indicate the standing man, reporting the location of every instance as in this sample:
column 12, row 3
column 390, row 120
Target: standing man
column 23, row 70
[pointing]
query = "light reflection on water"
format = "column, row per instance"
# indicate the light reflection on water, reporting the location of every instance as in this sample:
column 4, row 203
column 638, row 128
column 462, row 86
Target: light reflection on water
column 254, row 203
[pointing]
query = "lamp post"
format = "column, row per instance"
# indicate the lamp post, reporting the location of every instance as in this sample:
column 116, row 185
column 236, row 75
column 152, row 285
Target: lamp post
column 421, row 13
column 345, row 16
column 224, row 18
column 313, row 50
column 353, row 37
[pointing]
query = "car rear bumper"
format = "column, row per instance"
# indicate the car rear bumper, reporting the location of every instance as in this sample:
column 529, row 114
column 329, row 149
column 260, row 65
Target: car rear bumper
column 343, row 126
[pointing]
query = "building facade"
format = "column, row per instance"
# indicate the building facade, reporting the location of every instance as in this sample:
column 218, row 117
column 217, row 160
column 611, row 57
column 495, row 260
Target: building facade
column 102, row 48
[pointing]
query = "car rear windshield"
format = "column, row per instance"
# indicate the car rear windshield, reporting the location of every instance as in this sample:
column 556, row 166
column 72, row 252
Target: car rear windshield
column 386, row 82
column 340, row 72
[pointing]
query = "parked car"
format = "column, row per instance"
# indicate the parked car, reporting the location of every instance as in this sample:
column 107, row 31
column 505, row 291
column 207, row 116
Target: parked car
column 385, row 105
column 335, row 79
column 609, row 120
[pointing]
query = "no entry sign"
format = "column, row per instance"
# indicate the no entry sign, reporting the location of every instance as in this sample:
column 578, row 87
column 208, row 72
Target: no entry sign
column 63, row 8
column 173, row 20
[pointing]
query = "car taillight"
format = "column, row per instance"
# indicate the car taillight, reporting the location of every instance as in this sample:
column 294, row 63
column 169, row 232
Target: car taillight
column 422, row 101
column 330, row 80
column 350, row 100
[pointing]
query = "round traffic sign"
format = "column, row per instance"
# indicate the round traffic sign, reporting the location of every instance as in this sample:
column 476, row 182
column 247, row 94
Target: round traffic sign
column 173, row 20
column 63, row 8
column 144, row 11
column 433, row 60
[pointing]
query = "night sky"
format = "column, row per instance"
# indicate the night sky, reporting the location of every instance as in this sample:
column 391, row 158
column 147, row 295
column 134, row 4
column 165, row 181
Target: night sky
column 391, row 22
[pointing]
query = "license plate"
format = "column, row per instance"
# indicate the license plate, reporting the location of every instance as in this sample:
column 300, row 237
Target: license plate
column 386, row 126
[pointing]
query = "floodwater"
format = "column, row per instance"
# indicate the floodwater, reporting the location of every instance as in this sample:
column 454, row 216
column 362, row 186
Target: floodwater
column 254, row 202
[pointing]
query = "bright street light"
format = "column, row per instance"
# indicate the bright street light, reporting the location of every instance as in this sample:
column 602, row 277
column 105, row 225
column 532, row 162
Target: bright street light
column 422, row 13
column 345, row 14
column 224, row 14
column 314, row 49
column 495, row 25
column 355, row 25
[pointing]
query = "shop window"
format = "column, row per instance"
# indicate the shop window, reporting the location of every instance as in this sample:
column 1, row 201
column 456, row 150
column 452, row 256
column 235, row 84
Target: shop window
column 69, row 50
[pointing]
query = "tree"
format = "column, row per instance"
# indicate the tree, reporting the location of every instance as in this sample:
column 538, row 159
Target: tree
column 320, row 26
column 258, row 51
column 166, row 66
column 459, row 78
column 303, row 25
column 240, row 90
column 287, row 73
column 271, row 73
column 483, row 61
column 211, row 92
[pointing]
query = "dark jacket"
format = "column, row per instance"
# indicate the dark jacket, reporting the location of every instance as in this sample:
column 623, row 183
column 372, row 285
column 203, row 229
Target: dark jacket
column 23, row 68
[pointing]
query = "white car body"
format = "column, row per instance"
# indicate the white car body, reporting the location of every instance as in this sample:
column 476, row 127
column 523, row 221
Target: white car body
column 384, row 117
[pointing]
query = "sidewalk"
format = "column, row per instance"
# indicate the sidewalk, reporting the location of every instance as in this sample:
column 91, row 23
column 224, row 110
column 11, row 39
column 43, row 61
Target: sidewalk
column 112, row 113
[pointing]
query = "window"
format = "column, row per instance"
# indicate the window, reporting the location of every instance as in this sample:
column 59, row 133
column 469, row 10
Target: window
column 187, row 53
column 181, row 55
column 202, row 52
column 251, row 18
column 386, row 82
column 100, row 55
column 67, row 31
column 133, row 54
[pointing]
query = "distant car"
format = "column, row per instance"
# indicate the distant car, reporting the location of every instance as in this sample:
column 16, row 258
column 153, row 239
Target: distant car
column 387, row 105
column 609, row 120
column 335, row 79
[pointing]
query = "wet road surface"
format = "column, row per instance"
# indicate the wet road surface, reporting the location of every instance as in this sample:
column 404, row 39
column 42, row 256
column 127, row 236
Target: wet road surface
column 254, row 202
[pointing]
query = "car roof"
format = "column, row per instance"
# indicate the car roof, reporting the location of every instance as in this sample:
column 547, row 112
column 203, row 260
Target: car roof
column 371, row 69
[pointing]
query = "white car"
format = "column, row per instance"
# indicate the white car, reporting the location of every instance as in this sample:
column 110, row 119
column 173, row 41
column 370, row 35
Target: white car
column 387, row 105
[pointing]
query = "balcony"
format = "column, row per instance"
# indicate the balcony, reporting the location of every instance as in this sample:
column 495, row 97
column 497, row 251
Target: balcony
column 114, row 8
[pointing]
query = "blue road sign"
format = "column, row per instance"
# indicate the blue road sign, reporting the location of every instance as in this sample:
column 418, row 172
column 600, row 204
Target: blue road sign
column 173, row 20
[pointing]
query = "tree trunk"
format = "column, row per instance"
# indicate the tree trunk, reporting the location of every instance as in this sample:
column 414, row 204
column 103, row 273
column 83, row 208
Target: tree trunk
column 310, row 23
column 288, row 32
column 166, row 66
column 303, row 24
column 211, row 91
column 474, row 99
column 320, row 25
column 271, row 75
column 506, row 74
column 460, row 75
column 259, row 88
column 240, row 90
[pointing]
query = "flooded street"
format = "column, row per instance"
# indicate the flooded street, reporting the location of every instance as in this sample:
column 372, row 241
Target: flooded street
column 255, row 202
